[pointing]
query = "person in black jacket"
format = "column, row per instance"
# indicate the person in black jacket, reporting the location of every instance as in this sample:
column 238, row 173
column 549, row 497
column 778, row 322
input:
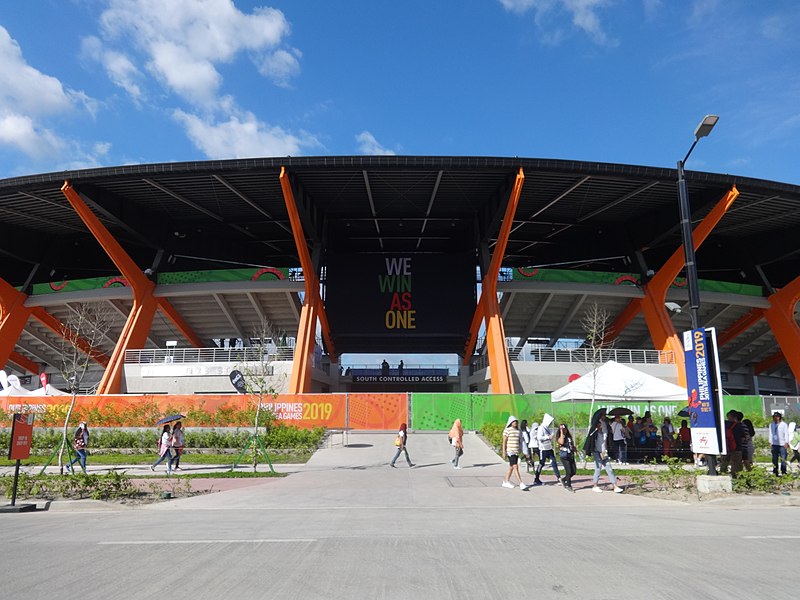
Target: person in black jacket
column 596, row 445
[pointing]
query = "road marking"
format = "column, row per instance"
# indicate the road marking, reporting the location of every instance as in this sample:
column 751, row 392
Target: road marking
column 159, row 542
column 771, row 537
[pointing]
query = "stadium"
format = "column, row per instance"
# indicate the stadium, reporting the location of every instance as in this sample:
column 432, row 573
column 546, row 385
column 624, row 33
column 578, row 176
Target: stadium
column 494, row 260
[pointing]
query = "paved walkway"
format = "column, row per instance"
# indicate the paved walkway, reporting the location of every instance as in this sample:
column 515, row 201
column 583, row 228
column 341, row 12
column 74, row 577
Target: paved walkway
column 353, row 470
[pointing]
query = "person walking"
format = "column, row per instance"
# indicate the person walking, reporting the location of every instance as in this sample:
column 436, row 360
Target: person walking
column 80, row 441
column 525, row 442
column 401, row 441
column 510, row 452
column 178, row 443
column 748, row 443
column 545, row 437
column 779, row 441
column 596, row 444
column 164, row 450
column 566, row 451
column 456, row 436
column 534, row 447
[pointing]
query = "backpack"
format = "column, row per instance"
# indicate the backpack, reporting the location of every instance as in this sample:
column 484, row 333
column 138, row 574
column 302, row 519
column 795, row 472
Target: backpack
column 730, row 441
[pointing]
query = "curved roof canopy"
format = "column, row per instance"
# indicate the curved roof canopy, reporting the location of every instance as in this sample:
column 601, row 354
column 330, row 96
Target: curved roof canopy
column 224, row 214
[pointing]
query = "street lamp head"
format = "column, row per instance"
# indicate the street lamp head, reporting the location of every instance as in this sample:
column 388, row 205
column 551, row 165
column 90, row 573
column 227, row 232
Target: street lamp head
column 705, row 127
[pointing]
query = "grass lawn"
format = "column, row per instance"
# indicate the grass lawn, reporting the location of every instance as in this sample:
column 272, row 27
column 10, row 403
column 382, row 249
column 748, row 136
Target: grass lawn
column 187, row 459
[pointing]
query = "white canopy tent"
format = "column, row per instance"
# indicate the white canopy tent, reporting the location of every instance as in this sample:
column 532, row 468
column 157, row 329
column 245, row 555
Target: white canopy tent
column 49, row 390
column 613, row 382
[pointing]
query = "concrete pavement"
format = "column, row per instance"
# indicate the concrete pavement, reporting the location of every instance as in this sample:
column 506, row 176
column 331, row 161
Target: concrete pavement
column 347, row 526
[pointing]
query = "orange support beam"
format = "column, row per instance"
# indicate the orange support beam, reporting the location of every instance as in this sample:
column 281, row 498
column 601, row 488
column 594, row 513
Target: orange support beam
column 488, row 308
column 662, row 332
column 179, row 322
column 770, row 362
column 780, row 316
column 623, row 319
column 13, row 317
column 137, row 327
column 25, row 363
column 313, row 307
column 57, row 327
column 741, row 325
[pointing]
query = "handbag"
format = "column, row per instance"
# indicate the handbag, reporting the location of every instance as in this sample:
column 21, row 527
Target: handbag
column 398, row 441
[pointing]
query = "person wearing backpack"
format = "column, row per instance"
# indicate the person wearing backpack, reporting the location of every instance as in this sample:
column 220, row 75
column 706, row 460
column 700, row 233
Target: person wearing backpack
column 456, row 437
column 545, row 437
column 80, row 442
column 748, row 445
column 734, row 441
column 534, row 446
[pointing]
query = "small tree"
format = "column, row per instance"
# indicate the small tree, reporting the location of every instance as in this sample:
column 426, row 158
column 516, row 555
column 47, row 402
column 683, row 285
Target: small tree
column 81, row 338
column 595, row 326
column 259, row 381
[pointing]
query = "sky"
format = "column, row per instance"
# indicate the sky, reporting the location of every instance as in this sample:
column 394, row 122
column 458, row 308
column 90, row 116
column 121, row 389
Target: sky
column 93, row 83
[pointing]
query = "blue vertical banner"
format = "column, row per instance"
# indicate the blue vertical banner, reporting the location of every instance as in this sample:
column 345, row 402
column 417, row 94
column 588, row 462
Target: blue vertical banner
column 704, row 391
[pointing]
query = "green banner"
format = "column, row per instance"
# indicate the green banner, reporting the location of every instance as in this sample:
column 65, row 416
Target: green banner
column 561, row 275
column 249, row 274
column 436, row 412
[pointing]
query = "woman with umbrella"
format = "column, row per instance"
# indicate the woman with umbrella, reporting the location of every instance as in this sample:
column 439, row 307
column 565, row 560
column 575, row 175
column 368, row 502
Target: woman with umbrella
column 164, row 449
column 596, row 444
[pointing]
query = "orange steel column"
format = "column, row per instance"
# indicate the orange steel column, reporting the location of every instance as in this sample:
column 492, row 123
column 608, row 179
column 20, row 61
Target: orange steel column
column 780, row 316
column 662, row 332
column 13, row 317
column 140, row 319
column 741, row 325
column 313, row 307
column 179, row 322
column 25, row 363
column 488, row 307
column 57, row 327
column 623, row 319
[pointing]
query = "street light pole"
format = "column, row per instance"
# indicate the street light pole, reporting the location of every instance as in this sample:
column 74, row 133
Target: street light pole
column 688, row 242
column 705, row 127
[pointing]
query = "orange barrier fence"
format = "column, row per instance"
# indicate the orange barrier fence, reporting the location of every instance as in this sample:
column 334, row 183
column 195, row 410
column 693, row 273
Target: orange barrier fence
column 333, row 411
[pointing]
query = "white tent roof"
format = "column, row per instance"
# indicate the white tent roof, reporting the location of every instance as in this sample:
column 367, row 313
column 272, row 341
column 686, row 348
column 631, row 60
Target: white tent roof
column 613, row 381
column 49, row 390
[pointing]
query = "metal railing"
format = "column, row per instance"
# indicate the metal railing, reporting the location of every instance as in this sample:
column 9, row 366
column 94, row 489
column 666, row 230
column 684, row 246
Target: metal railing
column 208, row 355
column 581, row 355
column 587, row 355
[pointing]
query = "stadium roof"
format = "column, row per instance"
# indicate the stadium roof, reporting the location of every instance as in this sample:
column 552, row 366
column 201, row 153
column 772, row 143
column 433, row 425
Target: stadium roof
column 583, row 216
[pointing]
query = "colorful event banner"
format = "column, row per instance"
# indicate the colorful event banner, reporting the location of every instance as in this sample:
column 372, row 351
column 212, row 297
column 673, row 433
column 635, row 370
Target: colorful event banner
column 332, row 411
column 704, row 391
column 356, row 411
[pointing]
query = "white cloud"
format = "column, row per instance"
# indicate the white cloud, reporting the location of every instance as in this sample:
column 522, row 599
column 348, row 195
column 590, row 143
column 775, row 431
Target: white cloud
column 182, row 42
column 119, row 67
column 25, row 89
column 583, row 14
column 28, row 98
column 21, row 133
column 367, row 144
column 241, row 136
column 281, row 66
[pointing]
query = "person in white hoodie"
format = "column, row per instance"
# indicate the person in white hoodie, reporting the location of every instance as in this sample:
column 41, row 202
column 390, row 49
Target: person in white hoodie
column 545, row 437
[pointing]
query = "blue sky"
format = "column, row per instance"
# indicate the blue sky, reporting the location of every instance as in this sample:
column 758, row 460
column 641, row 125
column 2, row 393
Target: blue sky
column 87, row 83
